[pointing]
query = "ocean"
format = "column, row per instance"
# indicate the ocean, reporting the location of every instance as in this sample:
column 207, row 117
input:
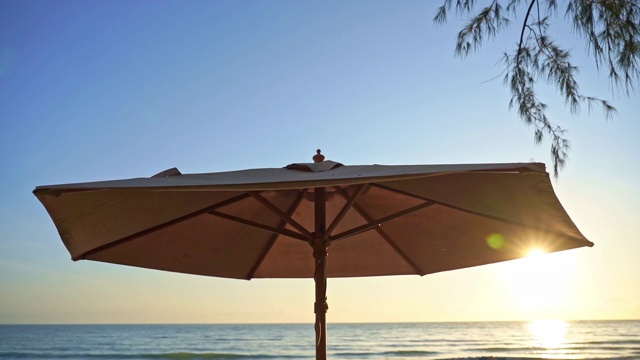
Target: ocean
column 487, row 340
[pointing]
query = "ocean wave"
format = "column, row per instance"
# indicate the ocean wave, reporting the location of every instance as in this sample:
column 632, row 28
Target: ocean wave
column 387, row 354
column 173, row 355
column 539, row 358
column 408, row 353
column 504, row 349
column 609, row 342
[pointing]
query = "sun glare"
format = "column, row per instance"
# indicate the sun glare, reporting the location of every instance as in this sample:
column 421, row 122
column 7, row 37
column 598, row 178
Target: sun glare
column 540, row 281
column 535, row 253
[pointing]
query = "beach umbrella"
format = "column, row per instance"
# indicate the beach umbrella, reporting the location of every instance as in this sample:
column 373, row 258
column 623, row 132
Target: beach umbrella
column 315, row 220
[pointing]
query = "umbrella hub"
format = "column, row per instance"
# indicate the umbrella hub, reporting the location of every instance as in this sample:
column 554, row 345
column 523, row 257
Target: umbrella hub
column 320, row 254
column 320, row 247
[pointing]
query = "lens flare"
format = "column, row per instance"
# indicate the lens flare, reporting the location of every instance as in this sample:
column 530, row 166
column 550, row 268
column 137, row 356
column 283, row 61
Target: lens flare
column 496, row 241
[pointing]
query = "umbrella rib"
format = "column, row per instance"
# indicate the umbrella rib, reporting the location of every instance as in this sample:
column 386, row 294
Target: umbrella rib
column 399, row 251
column 371, row 224
column 270, row 229
column 348, row 205
column 384, row 236
column 274, row 237
column 256, row 195
column 161, row 226
column 493, row 217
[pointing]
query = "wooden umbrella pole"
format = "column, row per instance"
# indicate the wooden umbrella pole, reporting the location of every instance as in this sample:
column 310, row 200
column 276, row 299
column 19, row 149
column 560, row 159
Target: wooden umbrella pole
column 320, row 246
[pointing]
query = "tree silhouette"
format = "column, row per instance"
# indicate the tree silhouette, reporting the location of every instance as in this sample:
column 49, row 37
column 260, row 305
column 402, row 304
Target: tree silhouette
column 610, row 29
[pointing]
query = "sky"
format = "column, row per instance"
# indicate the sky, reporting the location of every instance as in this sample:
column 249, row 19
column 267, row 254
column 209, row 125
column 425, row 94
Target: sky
column 101, row 90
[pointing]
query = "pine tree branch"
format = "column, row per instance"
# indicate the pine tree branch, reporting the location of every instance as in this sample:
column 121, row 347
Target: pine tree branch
column 610, row 28
column 524, row 26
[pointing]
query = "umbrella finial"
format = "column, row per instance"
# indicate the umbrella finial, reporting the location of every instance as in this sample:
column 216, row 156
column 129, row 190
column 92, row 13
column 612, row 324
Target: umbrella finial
column 318, row 157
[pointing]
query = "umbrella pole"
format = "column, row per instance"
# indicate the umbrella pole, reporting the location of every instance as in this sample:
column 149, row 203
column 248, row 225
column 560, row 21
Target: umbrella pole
column 320, row 246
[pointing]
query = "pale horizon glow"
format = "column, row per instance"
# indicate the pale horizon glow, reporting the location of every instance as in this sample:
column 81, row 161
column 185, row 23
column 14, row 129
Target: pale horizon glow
column 105, row 90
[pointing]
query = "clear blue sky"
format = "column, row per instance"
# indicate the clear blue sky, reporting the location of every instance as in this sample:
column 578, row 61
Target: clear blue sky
column 96, row 90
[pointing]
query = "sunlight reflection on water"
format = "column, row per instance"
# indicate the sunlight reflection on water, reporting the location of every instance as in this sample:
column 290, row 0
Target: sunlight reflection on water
column 548, row 334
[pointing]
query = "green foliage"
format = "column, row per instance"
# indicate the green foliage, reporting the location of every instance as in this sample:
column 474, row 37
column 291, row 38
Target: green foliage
column 610, row 29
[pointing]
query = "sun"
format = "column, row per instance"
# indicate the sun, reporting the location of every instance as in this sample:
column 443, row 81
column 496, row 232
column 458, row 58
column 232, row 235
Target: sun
column 535, row 253
column 540, row 281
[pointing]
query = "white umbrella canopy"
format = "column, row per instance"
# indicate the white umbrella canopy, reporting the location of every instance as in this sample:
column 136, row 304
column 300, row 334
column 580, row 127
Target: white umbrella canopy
column 372, row 220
